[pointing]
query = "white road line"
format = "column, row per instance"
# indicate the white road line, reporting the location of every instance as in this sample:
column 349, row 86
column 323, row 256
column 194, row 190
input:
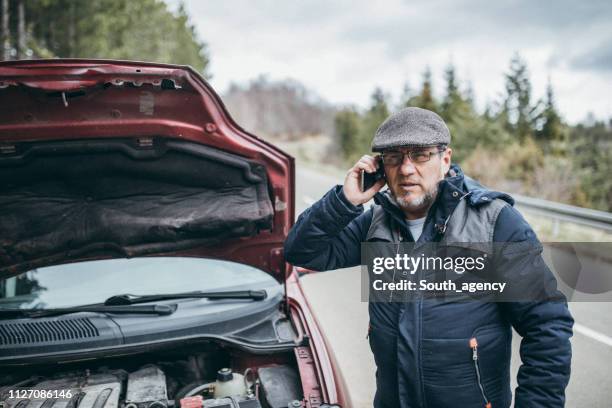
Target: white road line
column 595, row 335
column 308, row 200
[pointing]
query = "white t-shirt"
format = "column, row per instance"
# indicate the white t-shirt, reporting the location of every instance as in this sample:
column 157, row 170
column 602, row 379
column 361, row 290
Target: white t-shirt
column 416, row 227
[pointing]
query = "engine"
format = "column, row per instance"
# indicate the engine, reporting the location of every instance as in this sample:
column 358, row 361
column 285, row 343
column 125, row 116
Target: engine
column 193, row 382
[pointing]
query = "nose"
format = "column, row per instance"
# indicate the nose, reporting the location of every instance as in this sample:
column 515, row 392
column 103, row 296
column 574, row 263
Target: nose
column 407, row 167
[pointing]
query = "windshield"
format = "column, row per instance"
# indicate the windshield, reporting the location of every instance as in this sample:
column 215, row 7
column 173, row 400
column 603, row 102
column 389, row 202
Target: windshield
column 94, row 281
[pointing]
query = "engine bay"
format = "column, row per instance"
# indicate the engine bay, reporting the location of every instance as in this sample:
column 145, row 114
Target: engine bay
column 196, row 377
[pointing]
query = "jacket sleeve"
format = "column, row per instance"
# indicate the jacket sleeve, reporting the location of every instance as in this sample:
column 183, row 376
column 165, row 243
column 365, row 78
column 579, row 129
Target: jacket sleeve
column 544, row 325
column 328, row 235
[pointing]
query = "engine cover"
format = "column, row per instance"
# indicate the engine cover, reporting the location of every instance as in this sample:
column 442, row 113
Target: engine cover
column 94, row 391
column 236, row 402
column 146, row 388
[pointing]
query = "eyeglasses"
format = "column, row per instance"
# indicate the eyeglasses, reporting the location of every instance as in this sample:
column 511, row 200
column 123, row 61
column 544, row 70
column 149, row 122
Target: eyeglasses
column 395, row 158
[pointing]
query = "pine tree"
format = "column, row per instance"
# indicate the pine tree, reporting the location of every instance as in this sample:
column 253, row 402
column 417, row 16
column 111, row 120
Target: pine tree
column 405, row 96
column 5, row 34
column 552, row 129
column 518, row 112
column 468, row 129
column 424, row 99
column 379, row 110
column 355, row 132
column 469, row 95
column 591, row 154
column 452, row 89
column 21, row 30
column 453, row 100
column 371, row 120
column 346, row 127
column 144, row 30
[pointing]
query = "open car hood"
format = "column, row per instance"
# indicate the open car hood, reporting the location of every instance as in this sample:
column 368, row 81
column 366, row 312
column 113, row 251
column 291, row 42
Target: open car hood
column 121, row 159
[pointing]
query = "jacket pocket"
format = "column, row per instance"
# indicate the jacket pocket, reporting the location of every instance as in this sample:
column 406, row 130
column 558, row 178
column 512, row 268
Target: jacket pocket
column 383, row 343
column 474, row 347
column 493, row 352
column 454, row 378
column 491, row 349
column 447, row 362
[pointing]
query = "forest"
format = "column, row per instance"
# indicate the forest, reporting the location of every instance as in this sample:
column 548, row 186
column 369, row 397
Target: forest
column 518, row 144
column 144, row 30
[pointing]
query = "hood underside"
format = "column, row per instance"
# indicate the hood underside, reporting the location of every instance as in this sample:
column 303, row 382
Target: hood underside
column 122, row 159
column 64, row 199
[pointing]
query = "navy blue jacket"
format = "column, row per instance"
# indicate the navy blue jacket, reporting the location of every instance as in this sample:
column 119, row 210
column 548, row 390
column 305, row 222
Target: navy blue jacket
column 421, row 349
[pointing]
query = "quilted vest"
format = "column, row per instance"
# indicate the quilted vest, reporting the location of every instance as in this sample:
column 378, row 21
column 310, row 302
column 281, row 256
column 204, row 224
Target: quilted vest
column 466, row 224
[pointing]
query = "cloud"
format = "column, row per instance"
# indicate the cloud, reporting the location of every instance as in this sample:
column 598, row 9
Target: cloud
column 343, row 49
column 557, row 16
column 596, row 59
column 413, row 26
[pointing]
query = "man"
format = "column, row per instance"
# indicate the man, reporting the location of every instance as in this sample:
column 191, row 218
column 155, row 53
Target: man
column 433, row 353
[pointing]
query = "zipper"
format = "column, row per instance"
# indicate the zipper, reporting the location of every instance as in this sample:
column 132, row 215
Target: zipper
column 397, row 249
column 474, row 347
column 420, row 345
column 420, row 336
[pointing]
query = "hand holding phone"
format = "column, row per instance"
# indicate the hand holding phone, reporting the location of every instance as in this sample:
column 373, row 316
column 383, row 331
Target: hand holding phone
column 369, row 179
column 367, row 173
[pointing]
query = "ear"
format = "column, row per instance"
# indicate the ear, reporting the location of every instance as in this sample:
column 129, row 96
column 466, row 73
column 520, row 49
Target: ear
column 446, row 160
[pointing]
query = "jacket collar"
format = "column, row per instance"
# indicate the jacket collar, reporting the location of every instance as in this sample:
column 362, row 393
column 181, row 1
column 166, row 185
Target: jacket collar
column 451, row 190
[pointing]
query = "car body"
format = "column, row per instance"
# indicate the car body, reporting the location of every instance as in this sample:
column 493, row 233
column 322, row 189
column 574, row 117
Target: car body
column 120, row 175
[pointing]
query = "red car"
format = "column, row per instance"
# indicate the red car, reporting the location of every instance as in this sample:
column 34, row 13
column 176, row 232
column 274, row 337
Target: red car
column 141, row 261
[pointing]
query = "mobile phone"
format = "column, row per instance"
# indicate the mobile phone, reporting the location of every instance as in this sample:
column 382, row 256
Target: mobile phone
column 369, row 179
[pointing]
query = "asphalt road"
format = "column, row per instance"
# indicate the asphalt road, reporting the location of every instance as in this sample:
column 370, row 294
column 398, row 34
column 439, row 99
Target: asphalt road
column 335, row 299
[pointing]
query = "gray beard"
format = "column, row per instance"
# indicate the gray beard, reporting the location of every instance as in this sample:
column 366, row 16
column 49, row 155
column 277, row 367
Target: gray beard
column 421, row 203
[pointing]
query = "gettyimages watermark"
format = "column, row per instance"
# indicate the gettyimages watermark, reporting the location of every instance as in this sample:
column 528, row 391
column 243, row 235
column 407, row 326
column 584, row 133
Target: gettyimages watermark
column 488, row 272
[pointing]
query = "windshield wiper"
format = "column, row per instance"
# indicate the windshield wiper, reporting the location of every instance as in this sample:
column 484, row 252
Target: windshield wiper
column 128, row 299
column 160, row 310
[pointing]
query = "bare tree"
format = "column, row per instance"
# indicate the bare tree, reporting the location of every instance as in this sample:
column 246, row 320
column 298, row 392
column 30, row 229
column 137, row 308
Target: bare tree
column 6, row 34
column 279, row 109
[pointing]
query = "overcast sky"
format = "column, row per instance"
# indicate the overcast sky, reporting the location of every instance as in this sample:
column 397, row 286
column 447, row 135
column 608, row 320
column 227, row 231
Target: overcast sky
column 342, row 50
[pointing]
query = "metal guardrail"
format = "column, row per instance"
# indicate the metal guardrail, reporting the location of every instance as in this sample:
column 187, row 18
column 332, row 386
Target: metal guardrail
column 600, row 220
column 564, row 212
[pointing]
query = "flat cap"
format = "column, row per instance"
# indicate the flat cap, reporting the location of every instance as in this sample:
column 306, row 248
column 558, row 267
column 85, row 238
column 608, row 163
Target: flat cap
column 411, row 127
